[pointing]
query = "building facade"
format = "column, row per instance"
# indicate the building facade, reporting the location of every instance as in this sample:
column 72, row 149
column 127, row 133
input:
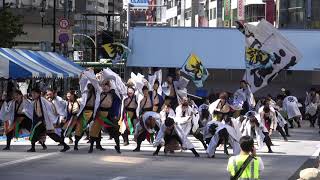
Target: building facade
column 37, row 17
column 298, row 14
column 86, row 24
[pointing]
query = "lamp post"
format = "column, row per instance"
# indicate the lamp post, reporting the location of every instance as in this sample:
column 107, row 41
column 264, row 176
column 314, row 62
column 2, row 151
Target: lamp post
column 54, row 25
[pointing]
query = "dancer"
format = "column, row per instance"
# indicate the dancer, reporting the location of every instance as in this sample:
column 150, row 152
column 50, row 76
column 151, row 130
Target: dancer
column 171, row 132
column 18, row 116
column 148, row 126
column 43, row 121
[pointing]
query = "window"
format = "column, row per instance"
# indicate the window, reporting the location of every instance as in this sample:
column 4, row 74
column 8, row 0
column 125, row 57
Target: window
column 187, row 14
column 214, row 13
column 254, row 12
column 296, row 3
column 175, row 20
column 315, row 14
column 210, row 14
column 101, row 4
column 296, row 16
column 212, row 0
column 101, row 23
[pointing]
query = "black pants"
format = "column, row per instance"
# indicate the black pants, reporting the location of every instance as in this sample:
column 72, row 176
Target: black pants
column 312, row 119
column 267, row 140
column 199, row 136
column 114, row 133
column 125, row 136
column 41, row 130
column 25, row 124
column 280, row 130
column 141, row 137
column 296, row 119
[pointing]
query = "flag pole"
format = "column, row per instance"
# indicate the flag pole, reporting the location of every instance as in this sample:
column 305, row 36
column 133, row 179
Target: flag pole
column 186, row 60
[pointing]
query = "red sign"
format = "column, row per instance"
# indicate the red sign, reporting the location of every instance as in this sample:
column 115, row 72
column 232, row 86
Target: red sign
column 64, row 23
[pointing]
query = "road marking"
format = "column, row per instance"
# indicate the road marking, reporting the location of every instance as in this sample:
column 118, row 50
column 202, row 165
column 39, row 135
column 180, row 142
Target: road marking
column 317, row 152
column 32, row 158
column 124, row 160
column 27, row 159
column 119, row 178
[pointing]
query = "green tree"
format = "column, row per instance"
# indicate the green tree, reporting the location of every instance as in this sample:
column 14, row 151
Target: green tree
column 10, row 27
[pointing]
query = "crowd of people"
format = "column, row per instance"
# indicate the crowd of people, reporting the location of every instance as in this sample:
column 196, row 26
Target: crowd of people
column 149, row 109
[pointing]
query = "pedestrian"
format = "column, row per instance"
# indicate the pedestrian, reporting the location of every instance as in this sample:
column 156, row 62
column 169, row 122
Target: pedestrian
column 291, row 106
column 246, row 165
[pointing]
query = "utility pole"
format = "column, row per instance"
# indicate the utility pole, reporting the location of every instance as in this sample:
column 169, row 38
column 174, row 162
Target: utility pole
column 95, row 34
column 3, row 4
column 54, row 25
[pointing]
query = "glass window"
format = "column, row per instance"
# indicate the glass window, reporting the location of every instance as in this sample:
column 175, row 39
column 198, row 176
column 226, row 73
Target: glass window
column 101, row 4
column 296, row 3
column 214, row 13
column 296, row 16
column 315, row 14
column 187, row 13
column 254, row 12
column 101, row 23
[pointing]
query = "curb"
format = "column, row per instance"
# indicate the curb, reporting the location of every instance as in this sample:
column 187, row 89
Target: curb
column 311, row 162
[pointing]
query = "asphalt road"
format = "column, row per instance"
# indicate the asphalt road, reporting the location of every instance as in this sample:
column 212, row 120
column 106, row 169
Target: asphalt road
column 17, row 164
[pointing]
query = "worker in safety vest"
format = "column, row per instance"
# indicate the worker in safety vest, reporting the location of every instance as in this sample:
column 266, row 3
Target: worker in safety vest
column 246, row 165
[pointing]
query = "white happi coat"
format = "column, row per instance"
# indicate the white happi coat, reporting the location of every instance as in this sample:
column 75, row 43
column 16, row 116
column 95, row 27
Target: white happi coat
column 61, row 107
column 180, row 88
column 145, row 116
column 291, row 106
column 233, row 138
column 139, row 81
column 242, row 95
column 163, row 115
column 88, row 77
column 116, row 82
column 156, row 76
column 187, row 121
column 7, row 110
column 312, row 104
column 186, row 144
column 48, row 109
column 214, row 106
column 246, row 130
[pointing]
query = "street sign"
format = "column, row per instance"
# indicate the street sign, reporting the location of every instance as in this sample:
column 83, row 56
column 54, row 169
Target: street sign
column 63, row 38
column 64, row 23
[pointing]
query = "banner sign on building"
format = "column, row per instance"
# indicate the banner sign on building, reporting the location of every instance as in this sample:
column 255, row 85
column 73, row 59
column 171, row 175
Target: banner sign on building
column 240, row 10
column 270, row 11
column 227, row 10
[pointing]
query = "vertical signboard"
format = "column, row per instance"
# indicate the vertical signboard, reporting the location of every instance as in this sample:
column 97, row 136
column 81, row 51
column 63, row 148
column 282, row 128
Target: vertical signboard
column 240, row 10
column 227, row 13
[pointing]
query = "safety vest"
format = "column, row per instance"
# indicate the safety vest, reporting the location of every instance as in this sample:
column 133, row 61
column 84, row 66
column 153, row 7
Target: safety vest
column 250, row 173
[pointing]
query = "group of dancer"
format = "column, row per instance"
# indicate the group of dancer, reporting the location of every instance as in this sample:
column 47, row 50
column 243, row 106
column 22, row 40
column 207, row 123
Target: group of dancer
column 147, row 108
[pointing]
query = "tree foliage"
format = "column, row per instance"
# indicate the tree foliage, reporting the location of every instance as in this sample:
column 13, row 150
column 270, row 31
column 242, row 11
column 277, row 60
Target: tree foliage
column 10, row 27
